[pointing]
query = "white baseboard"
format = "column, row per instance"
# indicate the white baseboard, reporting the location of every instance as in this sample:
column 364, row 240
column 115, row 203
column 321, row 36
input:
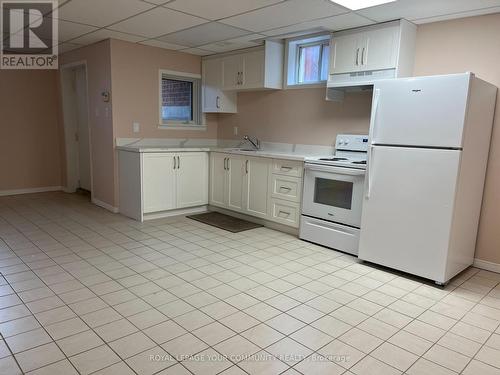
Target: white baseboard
column 30, row 190
column 105, row 205
column 485, row 265
column 177, row 212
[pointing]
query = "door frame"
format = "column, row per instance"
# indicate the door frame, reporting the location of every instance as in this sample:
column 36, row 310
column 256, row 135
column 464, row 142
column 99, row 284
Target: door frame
column 72, row 174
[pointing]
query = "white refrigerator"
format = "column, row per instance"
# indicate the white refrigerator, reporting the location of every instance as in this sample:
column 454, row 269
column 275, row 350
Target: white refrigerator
column 429, row 144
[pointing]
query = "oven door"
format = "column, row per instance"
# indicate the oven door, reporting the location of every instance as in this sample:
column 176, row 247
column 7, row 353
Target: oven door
column 333, row 193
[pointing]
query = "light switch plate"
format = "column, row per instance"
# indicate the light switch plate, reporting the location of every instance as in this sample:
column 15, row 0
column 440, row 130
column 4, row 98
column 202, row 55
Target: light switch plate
column 136, row 127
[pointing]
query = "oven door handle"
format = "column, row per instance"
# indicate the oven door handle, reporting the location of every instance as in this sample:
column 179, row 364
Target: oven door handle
column 332, row 169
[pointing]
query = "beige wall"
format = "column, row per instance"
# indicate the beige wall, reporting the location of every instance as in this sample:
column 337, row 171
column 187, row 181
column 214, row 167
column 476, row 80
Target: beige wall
column 135, row 78
column 30, row 149
column 296, row 116
column 97, row 58
column 470, row 44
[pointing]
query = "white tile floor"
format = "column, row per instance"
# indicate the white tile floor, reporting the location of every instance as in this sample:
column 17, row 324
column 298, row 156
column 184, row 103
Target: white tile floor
column 85, row 291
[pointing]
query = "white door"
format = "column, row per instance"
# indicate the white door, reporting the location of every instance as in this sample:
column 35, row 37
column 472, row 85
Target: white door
column 212, row 81
column 158, row 182
column 256, row 184
column 407, row 214
column 235, row 175
column 345, row 54
column 192, row 179
column 218, row 179
column 253, row 69
column 232, row 69
column 380, row 48
column 422, row 111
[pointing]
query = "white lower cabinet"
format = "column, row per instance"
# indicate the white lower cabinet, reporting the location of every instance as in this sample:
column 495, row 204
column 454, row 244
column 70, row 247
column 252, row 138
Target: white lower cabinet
column 158, row 182
column 239, row 183
column 191, row 179
column 256, row 186
column 247, row 184
column 152, row 183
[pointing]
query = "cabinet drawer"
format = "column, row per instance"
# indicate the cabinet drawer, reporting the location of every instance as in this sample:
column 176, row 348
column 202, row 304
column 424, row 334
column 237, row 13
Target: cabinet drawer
column 284, row 212
column 286, row 187
column 288, row 168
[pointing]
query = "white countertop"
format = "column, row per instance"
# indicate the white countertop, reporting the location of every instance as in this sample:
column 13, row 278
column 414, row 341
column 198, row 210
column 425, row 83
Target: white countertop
column 260, row 153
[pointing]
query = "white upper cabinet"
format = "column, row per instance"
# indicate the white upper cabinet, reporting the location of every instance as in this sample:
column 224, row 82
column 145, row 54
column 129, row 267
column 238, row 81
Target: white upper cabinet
column 361, row 56
column 214, row 98
column 223, row 75
column 254, row 69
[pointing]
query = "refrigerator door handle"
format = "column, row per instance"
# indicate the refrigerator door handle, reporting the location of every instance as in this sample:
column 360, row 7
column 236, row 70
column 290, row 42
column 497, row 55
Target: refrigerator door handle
column 373, row 117
column 369, row 172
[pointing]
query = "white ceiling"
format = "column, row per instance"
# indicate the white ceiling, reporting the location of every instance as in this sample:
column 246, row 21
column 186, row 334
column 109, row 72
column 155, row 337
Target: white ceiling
column 205, row 27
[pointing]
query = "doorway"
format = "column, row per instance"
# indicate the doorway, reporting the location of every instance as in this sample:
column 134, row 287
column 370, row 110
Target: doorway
column 76, row 127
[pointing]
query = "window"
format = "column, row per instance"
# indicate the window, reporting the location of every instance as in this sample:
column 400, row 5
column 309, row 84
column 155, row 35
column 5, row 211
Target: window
column 180, row 97
column 308, row 60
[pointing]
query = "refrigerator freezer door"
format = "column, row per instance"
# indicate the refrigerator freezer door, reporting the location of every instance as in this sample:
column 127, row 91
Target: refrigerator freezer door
column 421, row 111
column 407, row 214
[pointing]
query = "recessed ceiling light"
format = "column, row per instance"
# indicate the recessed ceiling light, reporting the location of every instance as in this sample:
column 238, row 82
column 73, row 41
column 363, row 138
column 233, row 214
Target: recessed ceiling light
column 360, row 4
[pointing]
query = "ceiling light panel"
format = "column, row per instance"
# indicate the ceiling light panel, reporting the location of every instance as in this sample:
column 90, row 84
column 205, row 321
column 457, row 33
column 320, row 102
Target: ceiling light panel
column 361, row 4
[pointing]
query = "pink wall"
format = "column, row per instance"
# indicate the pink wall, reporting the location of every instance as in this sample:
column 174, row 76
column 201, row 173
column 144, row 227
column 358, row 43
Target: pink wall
column 470, row 44
column 30, row 148
column 97, row 58
column 296, row 116
column 135, row 78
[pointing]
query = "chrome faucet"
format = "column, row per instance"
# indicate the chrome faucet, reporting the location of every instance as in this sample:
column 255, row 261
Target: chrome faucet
column 255, row 141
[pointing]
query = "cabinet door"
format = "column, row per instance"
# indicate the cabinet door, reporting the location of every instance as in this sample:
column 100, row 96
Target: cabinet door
column 235, row 175
column 218, row 179
column 211, row 83
column 379, row 48
column 192, row 179
column 345, row 54
column 256, row 185
column 232, row 68
column 253, row 70
column 158, row 182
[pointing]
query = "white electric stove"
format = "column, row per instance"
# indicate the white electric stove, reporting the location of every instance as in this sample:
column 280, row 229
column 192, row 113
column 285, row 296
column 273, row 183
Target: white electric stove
column 333, row 195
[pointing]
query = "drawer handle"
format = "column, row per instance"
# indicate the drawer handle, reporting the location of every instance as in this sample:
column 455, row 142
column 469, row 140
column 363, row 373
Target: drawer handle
column 283, row 212
column 286, row 188
column 284, row 168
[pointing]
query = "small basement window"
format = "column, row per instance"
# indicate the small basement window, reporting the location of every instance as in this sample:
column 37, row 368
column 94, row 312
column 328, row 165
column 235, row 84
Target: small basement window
column 308, row 60
column 180, row 98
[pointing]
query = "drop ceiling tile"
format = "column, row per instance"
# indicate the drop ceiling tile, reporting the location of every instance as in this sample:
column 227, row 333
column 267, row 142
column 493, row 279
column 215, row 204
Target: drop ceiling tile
column 204, row 34
column 217, row 9
column 411, row 9
column 102, row 34
column 198, row 51
column 160, row 44
column 246, row 41
column 70, row 30
column 335, row 23
column 225, row 46
column 157, row 22
column 101, row 12
column 285, row 14
column 470, row 13
column 66, row 47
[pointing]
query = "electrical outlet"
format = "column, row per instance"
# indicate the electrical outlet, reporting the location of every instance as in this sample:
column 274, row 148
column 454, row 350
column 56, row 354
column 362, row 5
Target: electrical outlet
column 235, row 130
column 136, row 127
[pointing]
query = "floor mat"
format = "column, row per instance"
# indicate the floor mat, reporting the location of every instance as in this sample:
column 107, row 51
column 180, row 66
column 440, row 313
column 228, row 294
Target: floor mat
column 226, row 222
